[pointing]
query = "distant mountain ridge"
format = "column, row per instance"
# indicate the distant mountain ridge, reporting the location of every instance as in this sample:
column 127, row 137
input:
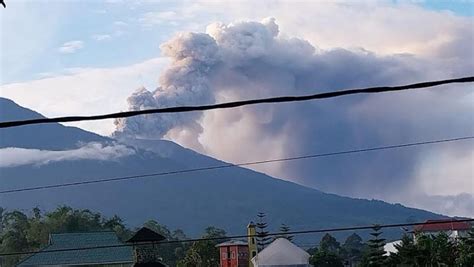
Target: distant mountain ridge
column 228, row 198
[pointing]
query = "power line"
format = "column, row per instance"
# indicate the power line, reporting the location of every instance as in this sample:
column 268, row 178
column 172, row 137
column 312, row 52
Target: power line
column 341, row 229
column 230, row 165
column 227, row 105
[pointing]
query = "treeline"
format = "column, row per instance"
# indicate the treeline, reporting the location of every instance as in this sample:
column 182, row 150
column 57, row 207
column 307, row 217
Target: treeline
column 24, row 232
column 419, row 250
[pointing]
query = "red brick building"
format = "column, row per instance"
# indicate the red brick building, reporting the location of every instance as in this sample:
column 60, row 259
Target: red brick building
column 234, row 253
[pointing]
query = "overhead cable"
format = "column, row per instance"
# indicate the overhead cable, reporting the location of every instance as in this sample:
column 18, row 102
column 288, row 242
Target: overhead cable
column 230, row 165
column 281, row 99
column 315, row 231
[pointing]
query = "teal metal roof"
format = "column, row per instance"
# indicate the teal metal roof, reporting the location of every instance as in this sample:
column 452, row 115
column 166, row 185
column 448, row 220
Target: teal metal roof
column 81, row 257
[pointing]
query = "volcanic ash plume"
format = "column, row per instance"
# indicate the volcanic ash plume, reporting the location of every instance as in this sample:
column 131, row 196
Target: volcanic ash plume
column 184, row 82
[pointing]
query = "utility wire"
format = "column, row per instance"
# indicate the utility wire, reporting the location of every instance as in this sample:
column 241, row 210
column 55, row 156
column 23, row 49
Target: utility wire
column 230, row 165
column 226, row 105
column 341, row 229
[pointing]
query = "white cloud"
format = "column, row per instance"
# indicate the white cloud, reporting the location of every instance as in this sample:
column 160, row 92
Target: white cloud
column 120, row 23
column 12, row 157
column 249, row 60
column 71, row 47
column 100, row 90
column 154, row 18
column 446, row 171
column 376, row 26
column 451, row 205
column 101, row 37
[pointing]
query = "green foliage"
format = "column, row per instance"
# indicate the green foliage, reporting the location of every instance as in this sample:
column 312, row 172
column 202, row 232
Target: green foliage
column 328, row 253
column 407, row 253
column 204, row 253
column 262, row 234
column 170, row 252
column 466, row 250
column 284, row 229
column 375, row 254
column 433, row 250
column 21, row 232
column 325, row 259
column 351, row 250
column 329, row 244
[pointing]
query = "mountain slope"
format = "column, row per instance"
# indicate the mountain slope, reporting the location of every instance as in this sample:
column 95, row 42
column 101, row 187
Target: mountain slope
column 43, row 136
column 227, row 198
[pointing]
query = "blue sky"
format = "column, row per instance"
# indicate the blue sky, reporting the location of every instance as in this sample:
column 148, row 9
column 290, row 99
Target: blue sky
column 112, row 33
column 459, row 7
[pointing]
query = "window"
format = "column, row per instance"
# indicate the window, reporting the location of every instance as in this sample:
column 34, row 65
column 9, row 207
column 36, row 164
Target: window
column 254, row 253
column 224, row 255
column 233, row 255
column 253, row 240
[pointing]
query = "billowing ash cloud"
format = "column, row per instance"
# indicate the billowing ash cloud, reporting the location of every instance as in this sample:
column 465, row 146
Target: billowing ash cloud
column 253, row 59
column 184, row 82
column 13, row 156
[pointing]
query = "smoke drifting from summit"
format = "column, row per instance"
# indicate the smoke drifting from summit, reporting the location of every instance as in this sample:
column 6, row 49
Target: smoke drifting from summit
column 246, row 60
column 184, row 82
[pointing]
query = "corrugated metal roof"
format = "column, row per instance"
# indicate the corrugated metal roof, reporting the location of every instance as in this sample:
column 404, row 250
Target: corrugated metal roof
column 232, row 243
column 442, row 225
column 88, row 256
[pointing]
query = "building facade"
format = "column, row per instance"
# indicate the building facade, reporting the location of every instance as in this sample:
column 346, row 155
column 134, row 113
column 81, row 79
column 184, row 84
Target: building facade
column 252, row 242
column 234, row 253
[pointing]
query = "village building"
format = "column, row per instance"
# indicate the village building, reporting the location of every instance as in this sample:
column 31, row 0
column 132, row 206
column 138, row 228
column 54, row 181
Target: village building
column 389, row 247
column 281, row 253
column 451, row 227
column 234, row 253
column 64, row 250
column 146, row 249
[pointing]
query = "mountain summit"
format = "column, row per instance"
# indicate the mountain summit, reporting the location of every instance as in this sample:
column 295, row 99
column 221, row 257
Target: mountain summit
column 229, row 198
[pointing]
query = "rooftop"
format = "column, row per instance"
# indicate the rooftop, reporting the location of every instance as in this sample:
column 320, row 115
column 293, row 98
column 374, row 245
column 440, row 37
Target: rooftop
column 232, row 243
column 119, row 254
column 442, row 225
column 146, row 235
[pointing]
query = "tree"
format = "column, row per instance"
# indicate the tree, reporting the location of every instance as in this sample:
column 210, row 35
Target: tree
column 204, row 253
column 14, row 237
column 325, row 259
column 329, row 244
column 406, row 252
column 351, row 250
column 262, row 234
column 466, row 250
column 25, row 233
column 375, row 255
column 284, row 229
column 426, row 254
column 170, row 252
column 445, row 248
column 327, row 253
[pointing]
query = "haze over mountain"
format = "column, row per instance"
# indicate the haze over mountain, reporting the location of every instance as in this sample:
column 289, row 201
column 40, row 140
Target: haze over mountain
column 228, row 198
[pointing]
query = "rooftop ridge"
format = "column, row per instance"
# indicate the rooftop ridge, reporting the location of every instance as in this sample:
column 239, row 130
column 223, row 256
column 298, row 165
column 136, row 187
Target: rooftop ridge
column 88, row 232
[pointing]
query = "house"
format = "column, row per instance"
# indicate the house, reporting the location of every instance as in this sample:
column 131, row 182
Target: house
column 453, row 228
column 390, row 247
column 117, row 255
column 146, row 249
column 238, row 253
column 281, row 253
column 234, row 253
